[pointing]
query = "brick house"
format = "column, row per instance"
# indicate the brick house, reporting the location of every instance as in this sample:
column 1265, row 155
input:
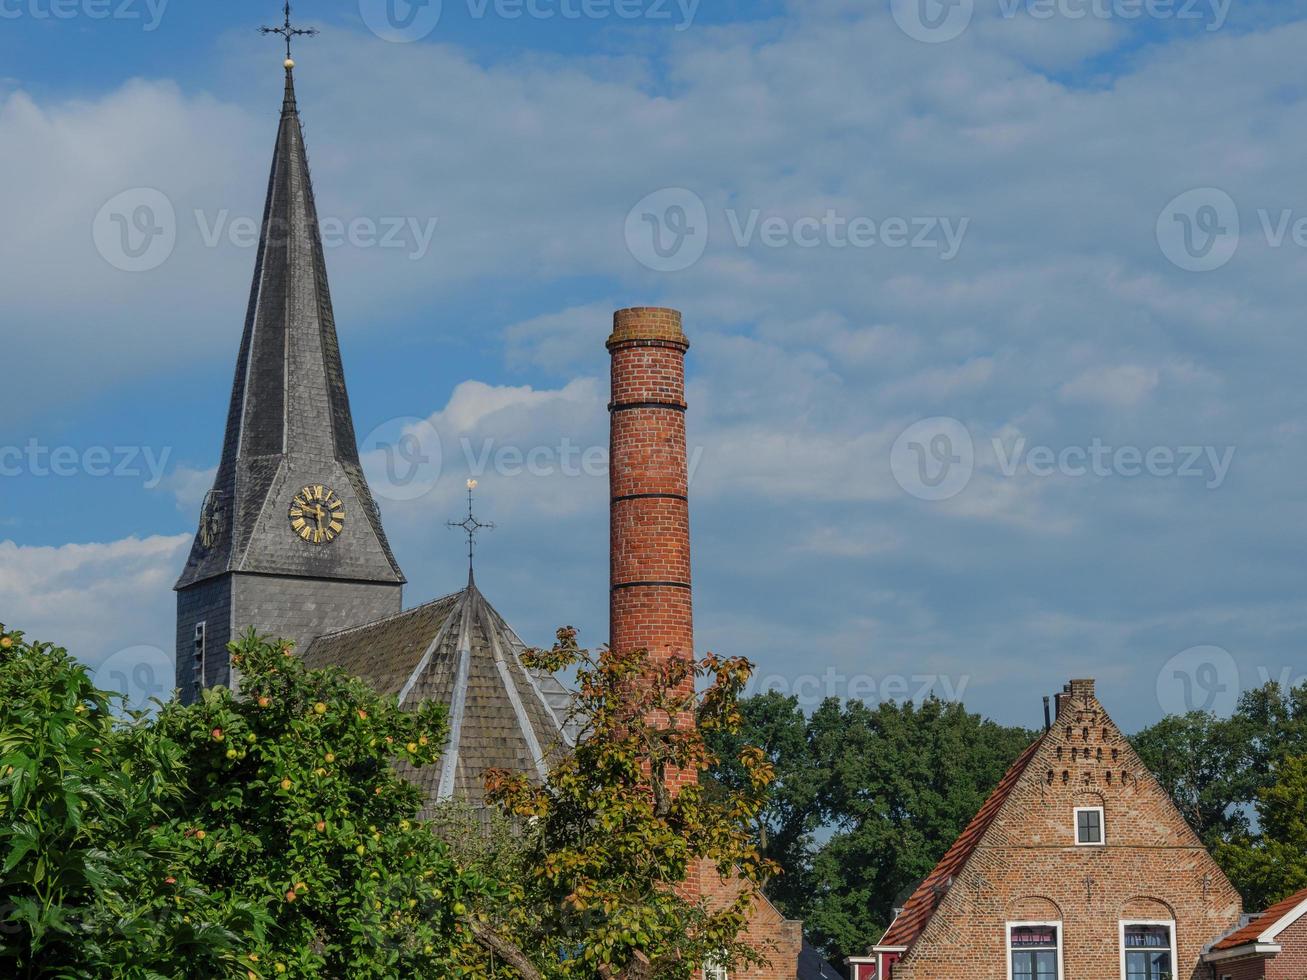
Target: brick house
column 1077, row 866
column 1273, row 946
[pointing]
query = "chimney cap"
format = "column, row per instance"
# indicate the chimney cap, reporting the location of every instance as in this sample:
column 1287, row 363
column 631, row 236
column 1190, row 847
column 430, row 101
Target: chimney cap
column 1082, row 688
column 639, row 324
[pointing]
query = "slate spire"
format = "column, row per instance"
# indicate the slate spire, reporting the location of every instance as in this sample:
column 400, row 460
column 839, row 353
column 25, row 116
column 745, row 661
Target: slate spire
column 289, row 424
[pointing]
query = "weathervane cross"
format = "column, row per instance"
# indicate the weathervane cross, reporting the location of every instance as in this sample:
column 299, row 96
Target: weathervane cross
column 471, row 525
column 288, row 32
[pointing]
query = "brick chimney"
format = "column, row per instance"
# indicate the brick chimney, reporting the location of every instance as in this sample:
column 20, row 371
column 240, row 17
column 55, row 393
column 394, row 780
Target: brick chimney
column 650, row 606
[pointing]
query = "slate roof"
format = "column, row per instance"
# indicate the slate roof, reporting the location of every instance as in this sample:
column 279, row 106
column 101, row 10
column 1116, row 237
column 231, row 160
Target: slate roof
column 459, row 651
column 1270, row 921
column 289, row 423
column 905, row 929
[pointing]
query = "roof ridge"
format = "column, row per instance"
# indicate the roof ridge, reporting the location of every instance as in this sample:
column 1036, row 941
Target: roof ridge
column 388, row 619
column 1265, row 922
column 920, row 907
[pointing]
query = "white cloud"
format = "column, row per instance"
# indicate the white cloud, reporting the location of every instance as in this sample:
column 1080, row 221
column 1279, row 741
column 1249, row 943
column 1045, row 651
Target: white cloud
column 1117, row 386
column 94, row 599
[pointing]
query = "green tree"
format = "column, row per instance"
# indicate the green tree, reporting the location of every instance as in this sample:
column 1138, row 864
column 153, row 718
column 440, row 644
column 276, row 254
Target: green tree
column 866, row 802
column 791, row 814
column 257, row 835
column 1272, row 864
column 609, row 843
column 1208, row 766
column 92, row 881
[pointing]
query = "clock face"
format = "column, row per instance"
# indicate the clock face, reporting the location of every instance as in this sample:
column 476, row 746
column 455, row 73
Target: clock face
column 210, row 519
column 317, row 515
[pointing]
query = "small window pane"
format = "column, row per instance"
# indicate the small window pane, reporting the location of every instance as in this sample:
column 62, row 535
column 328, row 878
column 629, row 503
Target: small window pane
column 1089, row 827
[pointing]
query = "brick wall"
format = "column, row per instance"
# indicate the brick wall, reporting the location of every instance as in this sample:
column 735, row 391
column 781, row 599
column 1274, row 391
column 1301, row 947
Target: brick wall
column 778, row 939
column 1246, row 970
column 1028, row 866
column 1291, row 962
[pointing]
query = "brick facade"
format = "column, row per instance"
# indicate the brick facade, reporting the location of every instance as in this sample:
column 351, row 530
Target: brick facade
column 1024, row 864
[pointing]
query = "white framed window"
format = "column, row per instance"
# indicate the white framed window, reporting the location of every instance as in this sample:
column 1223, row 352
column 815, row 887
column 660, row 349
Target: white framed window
column 1148, row 950
column 1089, row 826
column 712, row 971
column 1034, row 951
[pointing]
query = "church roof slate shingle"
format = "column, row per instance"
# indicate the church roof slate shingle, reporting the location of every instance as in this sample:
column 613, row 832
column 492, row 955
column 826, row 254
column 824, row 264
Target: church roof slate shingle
column 289, row 423
column 460, row 652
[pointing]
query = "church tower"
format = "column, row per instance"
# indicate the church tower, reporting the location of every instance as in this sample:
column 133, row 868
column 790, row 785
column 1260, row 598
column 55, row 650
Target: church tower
column 290, row 540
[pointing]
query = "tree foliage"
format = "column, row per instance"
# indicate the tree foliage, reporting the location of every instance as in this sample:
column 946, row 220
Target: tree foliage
column 1239, row 782
column 867, row 799
column 261, row 835
column 611, row 839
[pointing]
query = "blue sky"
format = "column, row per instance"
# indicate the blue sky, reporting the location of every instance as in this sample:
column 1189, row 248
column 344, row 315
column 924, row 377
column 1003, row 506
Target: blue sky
column 996, row 311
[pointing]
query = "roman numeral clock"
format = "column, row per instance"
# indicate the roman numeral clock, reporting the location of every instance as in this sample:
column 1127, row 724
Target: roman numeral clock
column 317, row 515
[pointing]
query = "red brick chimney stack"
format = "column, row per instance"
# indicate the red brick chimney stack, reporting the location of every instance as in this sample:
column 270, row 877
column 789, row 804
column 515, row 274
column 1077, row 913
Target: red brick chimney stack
column 650, row 603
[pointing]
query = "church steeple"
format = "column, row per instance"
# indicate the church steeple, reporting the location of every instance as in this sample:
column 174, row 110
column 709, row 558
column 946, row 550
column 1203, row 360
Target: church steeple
column 290, row 498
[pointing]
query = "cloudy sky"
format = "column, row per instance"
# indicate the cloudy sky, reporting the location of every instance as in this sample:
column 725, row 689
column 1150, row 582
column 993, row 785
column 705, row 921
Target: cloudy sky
column 996, row 310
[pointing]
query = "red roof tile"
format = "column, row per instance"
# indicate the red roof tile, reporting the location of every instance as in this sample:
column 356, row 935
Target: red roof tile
column 921, row 906
column 1267, row 920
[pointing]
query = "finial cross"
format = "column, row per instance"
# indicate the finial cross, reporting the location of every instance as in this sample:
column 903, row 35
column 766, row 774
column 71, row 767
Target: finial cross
column 471, row 525
column 288, row 32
